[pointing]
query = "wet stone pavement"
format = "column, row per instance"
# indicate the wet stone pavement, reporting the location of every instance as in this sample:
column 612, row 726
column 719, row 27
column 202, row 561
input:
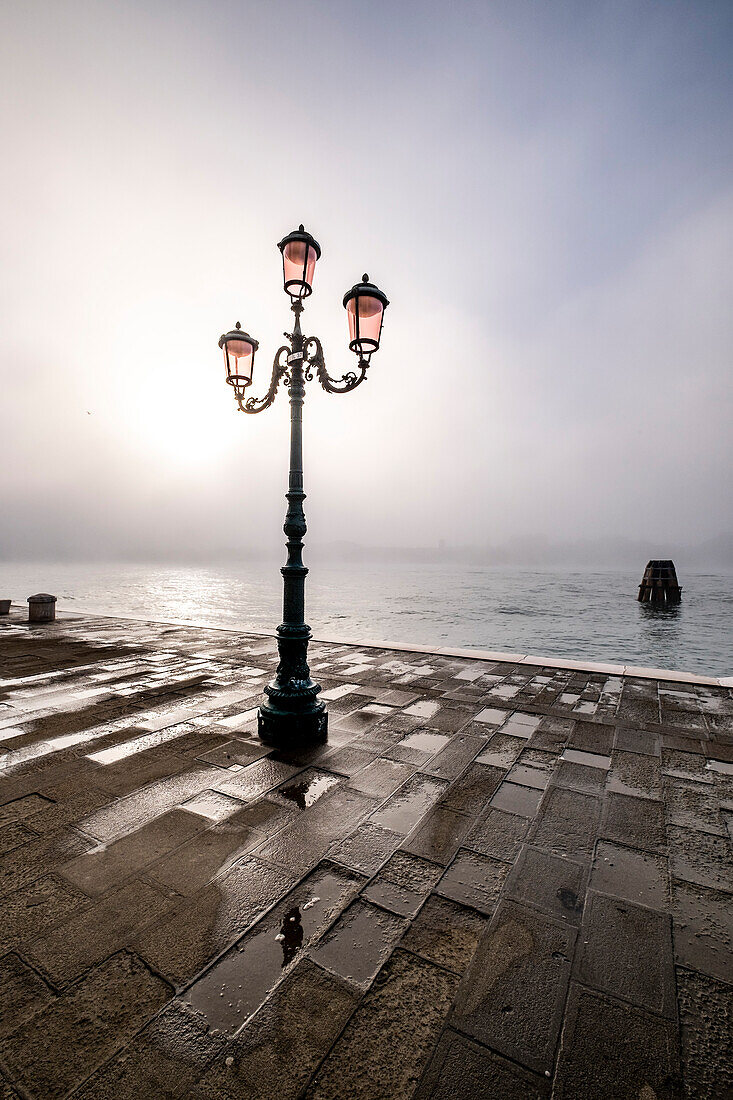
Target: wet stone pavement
column 495, row 880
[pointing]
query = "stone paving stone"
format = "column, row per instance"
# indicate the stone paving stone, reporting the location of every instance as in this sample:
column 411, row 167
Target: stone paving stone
column 580, row 777
column 445, row 933
column 255, row 780
column 32, row 910
column 498, row 834
column 96, row 932
column 13, row 836
column 567, row 823
column 636, row 740
column 513, row 995
column 463, row 1069
column 609, row 958
column 60, row 1046
column 612, row 1049
column 472, row 791
column 386, row 1044
column 703, row 929
column 381, row 778
column 21, row 808
column 690, row 804
column 200, row 927
column 684, row 765
column 359, row 943
column 706, row 1025
column 634, row 876
column 403, row 884
column 277, row 1052
column 501, row 751
column 163, row 1060
column 635, row 773
column 634, row 822
column 402, row 811
column 554, row 884
column 23, row 994
column 456, row 756
column 264, row 816
column 367, row 848
column 475, row 880
column 349, row 760
column 199, row 860
column 439, row 835
column 37, row 857
column 592, row 737
column 703, row 858
column 233, row 752
column 106, row 866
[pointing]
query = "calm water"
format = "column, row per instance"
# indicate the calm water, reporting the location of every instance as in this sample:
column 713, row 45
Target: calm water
column 563, row 614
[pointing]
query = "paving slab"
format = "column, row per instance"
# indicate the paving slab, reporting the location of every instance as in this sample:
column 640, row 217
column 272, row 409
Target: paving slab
column 706, row 1024
column 388, row 1041
column 461, row 1068
column 609, row 959
column 513, row 996
column 610, row 1048
column 703, row 929
column 445, row 933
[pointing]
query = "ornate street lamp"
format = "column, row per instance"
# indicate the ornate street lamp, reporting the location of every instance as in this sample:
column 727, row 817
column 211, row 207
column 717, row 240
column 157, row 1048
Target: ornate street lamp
column 293, row 714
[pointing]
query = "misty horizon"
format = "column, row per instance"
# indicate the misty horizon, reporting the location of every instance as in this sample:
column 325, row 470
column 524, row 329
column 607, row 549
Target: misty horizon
column 543, row 193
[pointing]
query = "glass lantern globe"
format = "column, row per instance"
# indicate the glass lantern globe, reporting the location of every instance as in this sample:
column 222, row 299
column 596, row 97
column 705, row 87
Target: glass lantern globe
column 239, row 356
column 299, row 251
column 365, row 304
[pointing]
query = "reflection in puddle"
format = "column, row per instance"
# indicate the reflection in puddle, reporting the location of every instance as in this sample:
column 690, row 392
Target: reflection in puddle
column 426, row 742
column 305, row 791
column 290, row 935
column 236, row 986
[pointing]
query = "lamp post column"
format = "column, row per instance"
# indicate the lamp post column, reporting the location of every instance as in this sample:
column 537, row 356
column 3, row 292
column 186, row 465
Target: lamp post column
column 292, row 715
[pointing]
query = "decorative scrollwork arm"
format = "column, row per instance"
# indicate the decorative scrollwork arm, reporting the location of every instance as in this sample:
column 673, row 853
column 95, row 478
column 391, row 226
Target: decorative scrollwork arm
column 313, row 353
column 279, row 371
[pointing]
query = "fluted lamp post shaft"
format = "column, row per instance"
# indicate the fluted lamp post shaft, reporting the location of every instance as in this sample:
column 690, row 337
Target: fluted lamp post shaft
column 293, row 716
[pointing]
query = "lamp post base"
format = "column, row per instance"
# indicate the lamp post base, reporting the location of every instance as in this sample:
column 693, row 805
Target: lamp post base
column 291, row 729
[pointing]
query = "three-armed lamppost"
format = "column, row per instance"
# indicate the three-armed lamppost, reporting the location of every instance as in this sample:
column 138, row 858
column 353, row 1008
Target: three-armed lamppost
column 293, row 714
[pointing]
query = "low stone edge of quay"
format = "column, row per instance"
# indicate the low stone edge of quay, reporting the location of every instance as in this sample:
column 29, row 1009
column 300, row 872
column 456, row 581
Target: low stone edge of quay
column 605, row 668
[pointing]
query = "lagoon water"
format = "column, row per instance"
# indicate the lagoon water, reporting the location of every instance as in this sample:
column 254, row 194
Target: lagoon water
column 589, row 615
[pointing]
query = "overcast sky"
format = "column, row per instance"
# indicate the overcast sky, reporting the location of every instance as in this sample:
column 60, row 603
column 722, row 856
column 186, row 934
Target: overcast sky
column 543, row 190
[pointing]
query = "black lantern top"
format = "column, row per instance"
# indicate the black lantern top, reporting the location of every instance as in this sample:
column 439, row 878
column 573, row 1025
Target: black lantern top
column 237, row 333
column 368, row 290
column 299, row 251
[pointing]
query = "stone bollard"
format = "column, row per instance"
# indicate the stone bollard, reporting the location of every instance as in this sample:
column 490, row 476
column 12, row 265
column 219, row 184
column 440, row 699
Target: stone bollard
column 4, row 607
column 41, row 608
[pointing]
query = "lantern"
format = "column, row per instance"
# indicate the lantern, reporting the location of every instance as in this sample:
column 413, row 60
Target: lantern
column 365, row 304
column 239, row 356
column 300, row 252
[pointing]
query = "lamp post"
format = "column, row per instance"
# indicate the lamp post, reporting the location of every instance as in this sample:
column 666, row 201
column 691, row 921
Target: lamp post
column 293, row 715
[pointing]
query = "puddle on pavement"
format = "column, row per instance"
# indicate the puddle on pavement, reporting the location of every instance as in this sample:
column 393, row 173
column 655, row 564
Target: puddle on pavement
column 516, row 799
column 426, row 708
column 426, row 742
column 590, row 759
column 307, row 789
column 237, row 985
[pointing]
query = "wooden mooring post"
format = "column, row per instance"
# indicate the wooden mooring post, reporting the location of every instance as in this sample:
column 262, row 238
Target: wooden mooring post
column 659, row 584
